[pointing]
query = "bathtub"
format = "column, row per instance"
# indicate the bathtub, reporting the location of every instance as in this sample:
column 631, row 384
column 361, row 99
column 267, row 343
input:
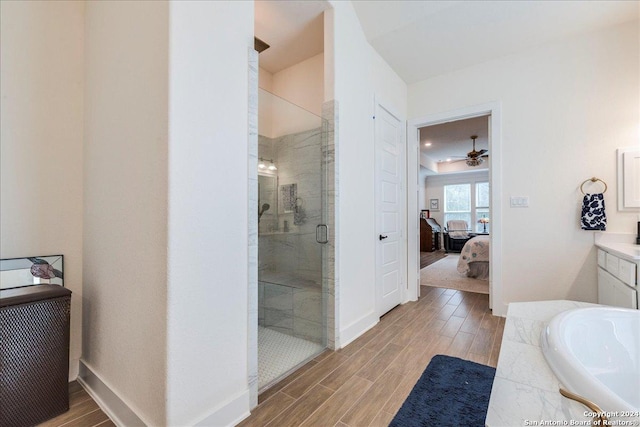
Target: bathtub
column 595, row 353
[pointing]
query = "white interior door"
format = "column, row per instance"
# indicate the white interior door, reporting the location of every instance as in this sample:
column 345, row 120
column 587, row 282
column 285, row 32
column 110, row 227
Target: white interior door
column 390, row 201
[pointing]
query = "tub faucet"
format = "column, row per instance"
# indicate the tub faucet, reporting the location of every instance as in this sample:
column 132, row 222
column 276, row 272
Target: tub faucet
column 600, row 419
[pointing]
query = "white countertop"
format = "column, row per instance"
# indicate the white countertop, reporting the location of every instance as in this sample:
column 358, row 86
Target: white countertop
column 525, row 390
column 620, row 244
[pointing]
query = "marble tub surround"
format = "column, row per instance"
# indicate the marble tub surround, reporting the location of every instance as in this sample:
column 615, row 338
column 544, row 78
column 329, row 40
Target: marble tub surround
column 525, row 390
column 595, row 352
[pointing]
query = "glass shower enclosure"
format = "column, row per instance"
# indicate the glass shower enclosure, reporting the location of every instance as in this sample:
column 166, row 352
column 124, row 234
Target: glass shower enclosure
column 291, row 232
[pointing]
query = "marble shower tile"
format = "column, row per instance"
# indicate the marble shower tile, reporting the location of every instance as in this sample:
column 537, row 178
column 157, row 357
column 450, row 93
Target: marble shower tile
column 278, row 297
column 307, row 305
column 279, row 320
column 308, row 330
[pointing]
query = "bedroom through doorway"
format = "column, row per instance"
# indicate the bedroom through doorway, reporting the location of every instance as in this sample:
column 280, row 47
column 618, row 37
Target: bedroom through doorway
column 455, row 207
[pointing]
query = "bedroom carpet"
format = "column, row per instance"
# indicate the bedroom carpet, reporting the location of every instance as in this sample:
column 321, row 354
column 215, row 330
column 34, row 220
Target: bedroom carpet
column 444, row 274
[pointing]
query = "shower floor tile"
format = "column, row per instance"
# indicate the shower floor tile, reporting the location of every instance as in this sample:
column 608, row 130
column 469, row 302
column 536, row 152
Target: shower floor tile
column 279, row 353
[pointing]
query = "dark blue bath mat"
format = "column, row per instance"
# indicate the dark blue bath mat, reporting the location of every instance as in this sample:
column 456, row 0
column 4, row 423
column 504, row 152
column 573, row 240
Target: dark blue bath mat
column 450, row 392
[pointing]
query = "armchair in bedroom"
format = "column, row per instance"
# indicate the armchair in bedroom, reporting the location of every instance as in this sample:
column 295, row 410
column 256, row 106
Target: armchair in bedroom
column 456, row 234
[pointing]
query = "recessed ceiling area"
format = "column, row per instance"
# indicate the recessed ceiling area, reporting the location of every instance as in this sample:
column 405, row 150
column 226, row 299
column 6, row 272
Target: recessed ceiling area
column 422, row 39
column 293, row 29
column 453, row 139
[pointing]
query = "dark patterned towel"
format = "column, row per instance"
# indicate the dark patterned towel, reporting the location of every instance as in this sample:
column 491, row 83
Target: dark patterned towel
column 593, row 215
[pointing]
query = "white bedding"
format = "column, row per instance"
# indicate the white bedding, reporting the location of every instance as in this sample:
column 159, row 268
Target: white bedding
column 474, row 258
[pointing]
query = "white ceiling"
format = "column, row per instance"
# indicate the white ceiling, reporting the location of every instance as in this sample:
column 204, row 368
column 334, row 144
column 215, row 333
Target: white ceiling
column 453, row 139
column 421, row 39
column 293, row 29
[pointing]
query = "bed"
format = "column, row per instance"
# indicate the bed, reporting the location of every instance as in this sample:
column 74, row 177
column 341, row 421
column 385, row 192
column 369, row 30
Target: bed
column 474, row 258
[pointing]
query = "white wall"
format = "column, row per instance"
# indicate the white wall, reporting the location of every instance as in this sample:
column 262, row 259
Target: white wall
column 265, row 80
column 359, row 75
column 41, row 108
column 302, row 86
column 423, row 173
column 566, row 107
column 434, row 189
column 125, row 201
column 208, row 212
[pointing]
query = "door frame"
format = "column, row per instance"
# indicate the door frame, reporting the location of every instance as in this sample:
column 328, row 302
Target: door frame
column 493, row 110
column 392, row 110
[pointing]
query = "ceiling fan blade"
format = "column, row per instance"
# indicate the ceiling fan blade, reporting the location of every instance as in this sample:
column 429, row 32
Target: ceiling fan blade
column 474, row 154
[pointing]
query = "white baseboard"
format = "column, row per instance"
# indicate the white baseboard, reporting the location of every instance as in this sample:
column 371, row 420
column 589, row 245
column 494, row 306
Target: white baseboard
column 357, row 328
column 113, row 405
column 74, row 368
column 500, row 310
column 227, row 413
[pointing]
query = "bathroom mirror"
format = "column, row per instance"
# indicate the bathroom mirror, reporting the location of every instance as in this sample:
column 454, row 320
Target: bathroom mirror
column 628, row 178
column 267, row 202
column 29, row 271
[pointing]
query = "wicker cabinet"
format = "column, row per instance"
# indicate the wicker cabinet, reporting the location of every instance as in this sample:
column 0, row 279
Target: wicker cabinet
column 34, row 354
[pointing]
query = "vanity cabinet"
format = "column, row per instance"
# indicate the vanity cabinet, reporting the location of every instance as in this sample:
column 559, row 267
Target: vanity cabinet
column 617, row 280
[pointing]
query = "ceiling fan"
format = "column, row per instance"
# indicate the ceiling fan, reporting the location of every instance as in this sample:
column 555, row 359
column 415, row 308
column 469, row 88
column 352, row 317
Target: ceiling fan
column 475, row 158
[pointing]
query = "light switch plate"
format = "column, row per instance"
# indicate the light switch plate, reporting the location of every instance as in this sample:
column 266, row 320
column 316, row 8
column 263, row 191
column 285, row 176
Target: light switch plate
column 519, row 201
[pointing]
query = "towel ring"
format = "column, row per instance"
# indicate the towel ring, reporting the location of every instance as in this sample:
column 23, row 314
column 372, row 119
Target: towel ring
column 594, row 179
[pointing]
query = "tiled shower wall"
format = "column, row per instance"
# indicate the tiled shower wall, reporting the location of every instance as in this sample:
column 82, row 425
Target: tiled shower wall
column 290, row 262
column 291, row 310
column 330, row 282
column 294, row 253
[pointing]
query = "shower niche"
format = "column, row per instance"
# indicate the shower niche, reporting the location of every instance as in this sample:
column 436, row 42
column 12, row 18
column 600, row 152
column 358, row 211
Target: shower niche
column 291, row 206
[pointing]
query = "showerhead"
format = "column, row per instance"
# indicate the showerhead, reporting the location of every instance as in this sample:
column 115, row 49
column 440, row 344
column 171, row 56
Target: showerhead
column 265, row 207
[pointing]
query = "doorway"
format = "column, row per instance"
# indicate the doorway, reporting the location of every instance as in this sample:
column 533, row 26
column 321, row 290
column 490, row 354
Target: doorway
column 455, row 205
column 492, row 111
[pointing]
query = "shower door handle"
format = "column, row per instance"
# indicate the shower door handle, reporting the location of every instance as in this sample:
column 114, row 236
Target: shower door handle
column 322, row 234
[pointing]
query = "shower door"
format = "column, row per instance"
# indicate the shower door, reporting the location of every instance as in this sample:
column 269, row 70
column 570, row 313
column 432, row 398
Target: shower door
column 291, row 209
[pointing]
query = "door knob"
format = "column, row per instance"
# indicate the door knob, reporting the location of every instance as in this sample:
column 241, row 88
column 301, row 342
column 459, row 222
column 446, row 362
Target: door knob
column 383, row 237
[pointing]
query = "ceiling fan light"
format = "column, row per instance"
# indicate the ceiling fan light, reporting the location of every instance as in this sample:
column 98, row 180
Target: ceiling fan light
column 474, row 161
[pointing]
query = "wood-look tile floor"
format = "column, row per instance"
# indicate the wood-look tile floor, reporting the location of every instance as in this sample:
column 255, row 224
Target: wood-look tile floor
column 83, row 411
column 365, row 383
